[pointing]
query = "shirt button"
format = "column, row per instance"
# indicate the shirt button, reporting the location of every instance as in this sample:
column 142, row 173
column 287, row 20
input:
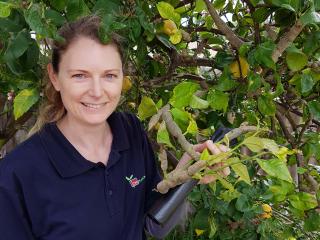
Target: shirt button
column 110, row 192
column 107, row 173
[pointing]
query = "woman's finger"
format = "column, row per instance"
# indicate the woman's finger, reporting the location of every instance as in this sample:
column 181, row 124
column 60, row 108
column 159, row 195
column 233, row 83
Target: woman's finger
column 213, row 147
column 185, row 159
column 207, row 179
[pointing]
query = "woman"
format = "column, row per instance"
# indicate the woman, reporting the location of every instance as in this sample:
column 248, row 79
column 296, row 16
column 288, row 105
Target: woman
column 80, row 176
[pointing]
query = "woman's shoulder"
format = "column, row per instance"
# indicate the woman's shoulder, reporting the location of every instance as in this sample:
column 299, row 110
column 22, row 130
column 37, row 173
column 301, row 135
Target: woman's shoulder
column 21, row 156
column 129, row 120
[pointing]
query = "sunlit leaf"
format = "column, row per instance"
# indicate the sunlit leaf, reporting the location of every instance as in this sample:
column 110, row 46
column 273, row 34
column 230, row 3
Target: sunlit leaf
column 167, row 11
column 218, row 100
column 24, row 101
column 275, row 168
column 198, row 103
column 241, row 170
column 182, row 94
column 147, row 108
column 163, row 135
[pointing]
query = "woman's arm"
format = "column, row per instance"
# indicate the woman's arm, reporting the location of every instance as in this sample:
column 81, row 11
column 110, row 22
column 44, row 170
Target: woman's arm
column 13, row 222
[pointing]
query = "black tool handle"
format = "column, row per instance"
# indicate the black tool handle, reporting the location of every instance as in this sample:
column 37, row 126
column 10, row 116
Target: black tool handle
column 165, row 206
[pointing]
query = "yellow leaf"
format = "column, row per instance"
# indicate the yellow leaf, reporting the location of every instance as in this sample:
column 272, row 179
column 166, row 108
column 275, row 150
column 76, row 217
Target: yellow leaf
column 176, row 38
column 127, row 84
column 235, row 69
column 199, row 231
column 266, row 208
column 169, row 27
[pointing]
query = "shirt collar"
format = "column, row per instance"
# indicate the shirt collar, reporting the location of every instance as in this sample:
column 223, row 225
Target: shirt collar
column 67, row 160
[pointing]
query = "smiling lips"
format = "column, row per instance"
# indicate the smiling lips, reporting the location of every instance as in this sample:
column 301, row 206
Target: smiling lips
column 94, row 106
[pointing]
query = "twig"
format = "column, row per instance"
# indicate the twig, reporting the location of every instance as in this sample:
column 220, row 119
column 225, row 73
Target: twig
column 305, row 126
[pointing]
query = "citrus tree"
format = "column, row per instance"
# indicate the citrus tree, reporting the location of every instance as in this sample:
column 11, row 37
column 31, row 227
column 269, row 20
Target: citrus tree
column 193, row 66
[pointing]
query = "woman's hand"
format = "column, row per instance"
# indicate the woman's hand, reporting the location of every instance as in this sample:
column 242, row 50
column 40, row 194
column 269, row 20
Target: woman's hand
column 214, row 149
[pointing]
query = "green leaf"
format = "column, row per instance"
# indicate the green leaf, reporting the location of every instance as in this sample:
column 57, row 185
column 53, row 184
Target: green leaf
column 163, row 135
column 317, row 5
column 55, row 17
column 254, row 82
column 213, row 227
column 261, row 14
column 167, row 11
column 200, row 6
column 33, row 18
column 58, row 4
column 76, row 9
column 312, row 223
column 303, row 201
column 218, row 100
column 310, row 17
column 296, row 59
column 192, row 127
column 205, row 155
column 229, row 195
column 17, row 46
column 266, row 105
column 225, row 82
column 275, row 168
column 314, row 108
column 201, row 219
column 198, row 103
column 219, row 4
column 241, row 170
column 181, row 117
column 147, row 108
column 263, row 54
column 5, row 9
column 243, row 204
column 182, row 94
column 24, row 101
column 254, row 144
column 106, row 7
column 307, row 83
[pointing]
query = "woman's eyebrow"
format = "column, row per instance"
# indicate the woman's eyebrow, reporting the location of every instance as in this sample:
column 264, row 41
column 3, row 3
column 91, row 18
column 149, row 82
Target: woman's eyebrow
column 76, row 70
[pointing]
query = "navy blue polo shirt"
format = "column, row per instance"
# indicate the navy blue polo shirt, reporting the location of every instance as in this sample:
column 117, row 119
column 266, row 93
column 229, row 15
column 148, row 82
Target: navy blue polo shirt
column 48, row 190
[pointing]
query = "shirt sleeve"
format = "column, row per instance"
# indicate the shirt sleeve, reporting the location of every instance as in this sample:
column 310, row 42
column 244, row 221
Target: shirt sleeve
column 13, row 224
column 13, row 217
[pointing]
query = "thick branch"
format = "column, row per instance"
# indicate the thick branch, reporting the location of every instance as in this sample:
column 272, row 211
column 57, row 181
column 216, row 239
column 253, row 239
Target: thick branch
column 234, row 40
column 175, row 131
column 284, row 129
column 287, row 39
column 296, row 112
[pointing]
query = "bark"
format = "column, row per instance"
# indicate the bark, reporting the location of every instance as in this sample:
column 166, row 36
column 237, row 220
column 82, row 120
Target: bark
column 287, row 39
column 234, row 40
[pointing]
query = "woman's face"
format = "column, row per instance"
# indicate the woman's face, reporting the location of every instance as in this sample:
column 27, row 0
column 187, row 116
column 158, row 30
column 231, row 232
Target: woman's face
column 89, row 80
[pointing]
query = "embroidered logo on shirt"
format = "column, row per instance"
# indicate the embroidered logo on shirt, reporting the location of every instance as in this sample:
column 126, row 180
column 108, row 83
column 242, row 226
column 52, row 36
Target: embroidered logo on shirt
column 135, row 181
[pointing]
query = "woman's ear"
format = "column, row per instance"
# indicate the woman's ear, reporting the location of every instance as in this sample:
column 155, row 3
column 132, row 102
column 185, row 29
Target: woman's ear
column 53, row 77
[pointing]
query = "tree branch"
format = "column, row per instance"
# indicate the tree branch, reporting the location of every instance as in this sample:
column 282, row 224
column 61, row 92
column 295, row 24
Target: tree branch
column 284, row 129
column 287, row 39
column 234, row 40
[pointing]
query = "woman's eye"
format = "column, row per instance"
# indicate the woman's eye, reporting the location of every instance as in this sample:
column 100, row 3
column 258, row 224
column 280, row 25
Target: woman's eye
column 111, row 76
column 79, row 76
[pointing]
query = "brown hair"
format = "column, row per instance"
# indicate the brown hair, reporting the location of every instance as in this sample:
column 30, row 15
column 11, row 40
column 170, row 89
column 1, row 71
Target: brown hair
column 52, row 108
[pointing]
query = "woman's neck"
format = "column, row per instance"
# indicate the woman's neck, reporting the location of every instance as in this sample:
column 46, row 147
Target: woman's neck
column 85, row 136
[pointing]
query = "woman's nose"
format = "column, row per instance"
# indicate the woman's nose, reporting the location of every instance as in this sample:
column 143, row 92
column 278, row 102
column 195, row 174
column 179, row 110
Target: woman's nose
column 96, row 89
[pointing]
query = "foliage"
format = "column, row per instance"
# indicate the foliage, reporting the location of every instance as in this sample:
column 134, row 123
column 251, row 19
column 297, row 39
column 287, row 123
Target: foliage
column 260, row 65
